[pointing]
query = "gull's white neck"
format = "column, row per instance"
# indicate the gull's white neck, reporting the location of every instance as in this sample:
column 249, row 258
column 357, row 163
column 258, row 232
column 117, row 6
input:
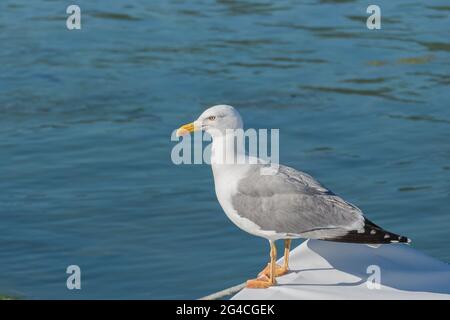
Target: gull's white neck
column 226, row 156
column 225, row 151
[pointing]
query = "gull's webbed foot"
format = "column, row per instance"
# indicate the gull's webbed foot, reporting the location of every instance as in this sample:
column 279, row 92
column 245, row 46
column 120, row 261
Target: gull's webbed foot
column 262, row 282
column 279, row 271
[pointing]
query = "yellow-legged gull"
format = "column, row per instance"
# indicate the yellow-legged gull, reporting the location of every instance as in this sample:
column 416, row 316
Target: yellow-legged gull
column 287, row 204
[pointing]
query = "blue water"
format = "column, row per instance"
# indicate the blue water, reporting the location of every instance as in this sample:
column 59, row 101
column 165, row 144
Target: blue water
column 86, row 118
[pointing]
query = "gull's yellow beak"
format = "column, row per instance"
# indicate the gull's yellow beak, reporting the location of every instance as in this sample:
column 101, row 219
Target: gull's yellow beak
column 187, row 128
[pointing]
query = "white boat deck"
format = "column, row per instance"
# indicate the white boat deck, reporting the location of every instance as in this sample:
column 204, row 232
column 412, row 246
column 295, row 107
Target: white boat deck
column 329, row 270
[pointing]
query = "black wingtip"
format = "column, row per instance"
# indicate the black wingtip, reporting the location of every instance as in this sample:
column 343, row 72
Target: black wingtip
column 401, row 239
column 371, row 234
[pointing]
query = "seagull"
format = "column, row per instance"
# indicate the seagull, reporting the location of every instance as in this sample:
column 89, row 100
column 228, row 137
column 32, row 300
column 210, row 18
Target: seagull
column 284, row 205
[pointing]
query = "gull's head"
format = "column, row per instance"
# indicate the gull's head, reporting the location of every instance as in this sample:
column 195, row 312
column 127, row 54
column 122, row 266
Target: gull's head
column 215, row 121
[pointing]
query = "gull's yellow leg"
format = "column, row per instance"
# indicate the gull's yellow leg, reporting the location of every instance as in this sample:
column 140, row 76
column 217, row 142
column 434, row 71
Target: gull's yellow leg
column 264, row 281
column 280, row 270
column 287, row 249
column 273, row 262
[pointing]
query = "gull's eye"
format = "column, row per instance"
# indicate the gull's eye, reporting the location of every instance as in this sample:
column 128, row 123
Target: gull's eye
column 212, row 118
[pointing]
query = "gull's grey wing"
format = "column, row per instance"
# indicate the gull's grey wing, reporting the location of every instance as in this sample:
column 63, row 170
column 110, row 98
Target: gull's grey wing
column 294, row 203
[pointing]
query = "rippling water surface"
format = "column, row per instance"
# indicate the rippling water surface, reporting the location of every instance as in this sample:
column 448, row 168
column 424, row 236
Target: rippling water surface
column 86, row 118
